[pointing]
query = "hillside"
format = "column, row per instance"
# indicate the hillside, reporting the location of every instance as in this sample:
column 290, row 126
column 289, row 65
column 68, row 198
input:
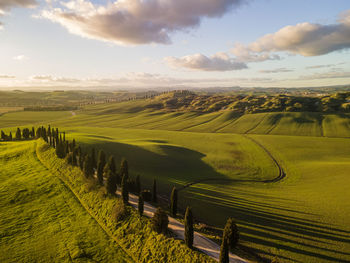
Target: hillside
column 57, row 200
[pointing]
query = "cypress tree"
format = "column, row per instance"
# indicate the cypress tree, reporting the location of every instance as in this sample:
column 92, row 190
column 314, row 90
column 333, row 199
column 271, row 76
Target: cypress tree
column 160, row 221
column 173, row 200
column 100, row 166
column 10, row 137
column 111, row 185
column 224, row 250
column 154, row 192
column 74, row 158
column 33, row 132
column 232, row 233
column 189, row 227
column 18, row 134
column 138, row 184
column 93, row 158
column 88, row 168
column 66, row 148
column 125, row 189
column 140, row 206
column 124, row 168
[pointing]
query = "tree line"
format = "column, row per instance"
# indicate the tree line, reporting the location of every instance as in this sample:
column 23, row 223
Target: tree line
column 104, row 171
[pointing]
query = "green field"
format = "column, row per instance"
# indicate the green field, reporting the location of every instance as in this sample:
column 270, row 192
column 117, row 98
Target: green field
column 303, row 218
column 21, row 118
column 135, row 115
column 41, row 220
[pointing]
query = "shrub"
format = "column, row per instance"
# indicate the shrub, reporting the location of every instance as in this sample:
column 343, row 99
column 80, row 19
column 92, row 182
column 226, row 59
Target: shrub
column 160, row 221
column 120, row 211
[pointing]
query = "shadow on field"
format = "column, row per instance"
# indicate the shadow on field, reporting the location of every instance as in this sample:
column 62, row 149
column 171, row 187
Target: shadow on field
column 269, row 222
column 166, row 163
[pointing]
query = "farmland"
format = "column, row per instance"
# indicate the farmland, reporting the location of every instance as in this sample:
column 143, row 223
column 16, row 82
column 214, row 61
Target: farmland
column 302, row 218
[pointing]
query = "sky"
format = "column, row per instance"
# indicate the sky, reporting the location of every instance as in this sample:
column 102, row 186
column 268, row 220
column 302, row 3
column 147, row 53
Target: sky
column 168, row 43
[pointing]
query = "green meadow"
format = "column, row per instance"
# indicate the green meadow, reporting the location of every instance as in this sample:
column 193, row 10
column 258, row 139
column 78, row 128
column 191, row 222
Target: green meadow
column 302, row 218
column 41, row 220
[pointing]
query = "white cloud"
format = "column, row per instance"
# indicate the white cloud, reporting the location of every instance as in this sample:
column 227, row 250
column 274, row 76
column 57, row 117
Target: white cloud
column 305, row 39
column 7, row 77
column 6, row 5
column 135, row 21
column 20, row 57
column 277, row 70
column 327, row 75
column 51, row 79
column 217, row 62
column 245, row 55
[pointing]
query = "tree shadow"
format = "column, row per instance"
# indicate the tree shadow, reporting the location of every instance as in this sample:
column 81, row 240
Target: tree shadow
column 269, row 223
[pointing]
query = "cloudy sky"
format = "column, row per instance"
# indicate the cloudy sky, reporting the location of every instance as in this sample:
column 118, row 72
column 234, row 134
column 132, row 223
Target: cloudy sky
column 168, row 43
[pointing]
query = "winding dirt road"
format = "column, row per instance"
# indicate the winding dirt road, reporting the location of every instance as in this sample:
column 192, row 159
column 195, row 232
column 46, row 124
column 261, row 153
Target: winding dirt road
column 281, row 173
column 200, row 242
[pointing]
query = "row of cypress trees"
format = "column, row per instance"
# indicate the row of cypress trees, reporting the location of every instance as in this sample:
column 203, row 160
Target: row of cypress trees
column 107, row 169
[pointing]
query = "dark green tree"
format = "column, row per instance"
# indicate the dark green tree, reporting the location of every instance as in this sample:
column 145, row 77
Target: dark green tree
column 10, row 136
column 111, row 184
column 93, row 157
column 154, row 191
column 141, row 204
column 160, row 221
column 18, row 134
column 124, row 168
column 138, row 184
column 88, row 168
column 224, row 250
column 173, row 202
column 125, row 189
column 189, row 227
column 232, row 233
column 100, row 166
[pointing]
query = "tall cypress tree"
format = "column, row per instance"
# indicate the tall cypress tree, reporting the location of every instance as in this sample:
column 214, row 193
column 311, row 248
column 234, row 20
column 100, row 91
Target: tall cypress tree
column 232, row 233
column 138, row 184
column 18, row 134
column 93, row 158
column 224, row 250
column 100, row 165
column 124, row 168
column 141, row 205
column 111, row 185
column 173, row 200
column 189, row 227
column 88, row 168
column 125, row 189
column 154, row 192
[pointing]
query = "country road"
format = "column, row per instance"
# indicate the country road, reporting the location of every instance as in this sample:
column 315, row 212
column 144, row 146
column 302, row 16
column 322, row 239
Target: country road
column 200, row 242
column 281, row 173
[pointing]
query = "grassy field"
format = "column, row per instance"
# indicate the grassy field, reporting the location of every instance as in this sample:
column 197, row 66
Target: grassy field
column 303, row 218
column 41, row 220
column 135, row 115
column 14, row 119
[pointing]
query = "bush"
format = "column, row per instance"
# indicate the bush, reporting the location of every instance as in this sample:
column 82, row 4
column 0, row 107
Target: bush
column 120, row 211
column 160, row 221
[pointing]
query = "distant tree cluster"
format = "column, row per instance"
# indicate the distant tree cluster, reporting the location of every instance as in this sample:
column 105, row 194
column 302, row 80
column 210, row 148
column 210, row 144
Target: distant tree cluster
column 24, row 134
